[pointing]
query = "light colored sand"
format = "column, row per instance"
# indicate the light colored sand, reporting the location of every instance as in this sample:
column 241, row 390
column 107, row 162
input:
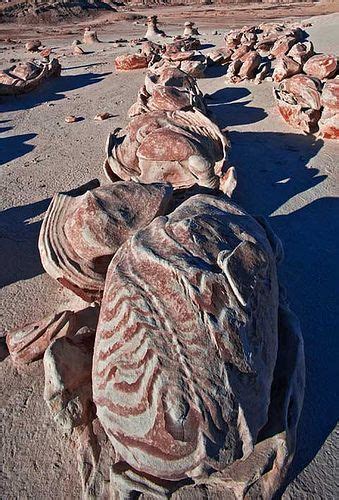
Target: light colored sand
column 282, row 174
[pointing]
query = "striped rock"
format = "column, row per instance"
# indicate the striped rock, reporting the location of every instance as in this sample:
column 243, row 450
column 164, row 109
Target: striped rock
column 80, row 235
column 285, row 68
column 298, row 100
column 187, row 340
column 321, row 66
column 329, row 122
column 180, row 147
column 300, row 52
column 127, row 62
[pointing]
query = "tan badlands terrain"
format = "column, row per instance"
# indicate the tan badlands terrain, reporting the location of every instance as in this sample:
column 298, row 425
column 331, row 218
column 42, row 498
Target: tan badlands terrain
column 283, row 175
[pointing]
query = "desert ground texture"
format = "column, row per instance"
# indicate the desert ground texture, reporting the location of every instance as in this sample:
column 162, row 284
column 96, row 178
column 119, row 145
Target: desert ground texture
column 288, row 177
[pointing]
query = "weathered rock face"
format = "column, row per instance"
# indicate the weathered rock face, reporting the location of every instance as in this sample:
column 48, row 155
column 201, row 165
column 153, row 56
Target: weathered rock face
column 300, row 52
column 127, row 62
column 180, row 147
column 68, row 377
column 79, row 235
column 285, row 67
column 298, row 100
column 191, row 62
column 195, row 286
column 329, row 122
column 25, row 77
column 321, row 66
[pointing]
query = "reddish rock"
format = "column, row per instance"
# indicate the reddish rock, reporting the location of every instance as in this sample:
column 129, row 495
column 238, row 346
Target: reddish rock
column 240, row 52
column 68, row 375
column 284, row 68
column 220, row 56
column 282, row 46
column 300, row 52
column 25, row 77
column 329, row 122
column 79, row 235
column 298, row 102
column 180, row 147
column 212, row 272
column 250, row 63
column 128, row 62
column 321, row 66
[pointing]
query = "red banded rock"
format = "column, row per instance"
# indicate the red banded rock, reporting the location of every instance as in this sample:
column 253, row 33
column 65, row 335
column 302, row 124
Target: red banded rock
column 321, row 66
column 79, row 235
column 250, row 63
column 298, row 100
column 329, row 121
column 127, row 62
column 282, row 46
column 233, row 39
column 197, row 285
column 300, row 52
column 166, row 98
column 240, row 52
column 232, row 74
column 25, row 77
column 180, row 147
column 284, row 68
column 170, row 76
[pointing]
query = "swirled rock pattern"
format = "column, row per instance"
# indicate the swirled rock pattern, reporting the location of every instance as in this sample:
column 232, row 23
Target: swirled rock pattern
column 80, row 235
column 127, row 62
column 180, row 147
column 195, row 286
column 25, row 77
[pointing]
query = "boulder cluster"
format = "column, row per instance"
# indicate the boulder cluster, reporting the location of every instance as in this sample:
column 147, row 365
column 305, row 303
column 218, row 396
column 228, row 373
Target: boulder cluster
column 181, row 52
column 306, row 87
column 177, row 368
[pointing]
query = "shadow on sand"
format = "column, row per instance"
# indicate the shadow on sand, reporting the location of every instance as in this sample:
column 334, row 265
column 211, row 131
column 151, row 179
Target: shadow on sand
column 52, row 90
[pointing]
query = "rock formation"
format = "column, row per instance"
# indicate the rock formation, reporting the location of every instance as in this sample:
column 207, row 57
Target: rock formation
column 152, row 28
column 90, row 36
column 25, row 77
column 80, row 235
column 128, row 62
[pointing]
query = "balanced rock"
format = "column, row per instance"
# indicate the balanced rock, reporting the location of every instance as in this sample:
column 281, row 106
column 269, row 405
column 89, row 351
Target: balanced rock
column 90, row 36
column 152, row 28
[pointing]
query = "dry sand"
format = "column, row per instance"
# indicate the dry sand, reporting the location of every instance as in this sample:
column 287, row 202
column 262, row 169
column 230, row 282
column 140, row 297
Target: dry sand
column 282, row 174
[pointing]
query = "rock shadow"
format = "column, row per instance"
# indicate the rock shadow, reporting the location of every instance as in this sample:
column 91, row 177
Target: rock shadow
column 19, row 235
column 227, row 111
column 51, row 90
column 273, row 168
column 15, row 146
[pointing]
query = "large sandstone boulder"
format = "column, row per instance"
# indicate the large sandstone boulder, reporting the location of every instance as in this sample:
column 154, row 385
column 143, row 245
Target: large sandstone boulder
column 25, row 77
column 180, row 147
column 195, row 286
column 329, row 122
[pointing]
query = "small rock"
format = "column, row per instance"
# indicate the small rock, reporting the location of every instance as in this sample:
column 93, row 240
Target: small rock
column 71, row 119
column 102, row 116
column 78, row 50
column 33, row 45
column 76, row 42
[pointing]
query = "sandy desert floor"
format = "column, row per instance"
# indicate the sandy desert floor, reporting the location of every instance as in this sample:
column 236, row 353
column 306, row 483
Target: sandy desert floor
column 282, row 174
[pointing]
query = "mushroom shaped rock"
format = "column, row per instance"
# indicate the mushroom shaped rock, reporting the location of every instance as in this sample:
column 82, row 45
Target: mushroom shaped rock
column 190, row 29
column 79, row 235
column 180, row 147
column 298, row 100
column 329, row 121
column 127, row 62
column 321, row 66
column 152, row 28
column 196, row 285
column 90, row 36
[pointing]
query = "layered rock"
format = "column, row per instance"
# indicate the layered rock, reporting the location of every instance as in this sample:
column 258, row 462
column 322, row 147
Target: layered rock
column 204, row 286
column 329, row 122
column 180, row 147
column 25, row 77
column 79, row 235
column 127, row 62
